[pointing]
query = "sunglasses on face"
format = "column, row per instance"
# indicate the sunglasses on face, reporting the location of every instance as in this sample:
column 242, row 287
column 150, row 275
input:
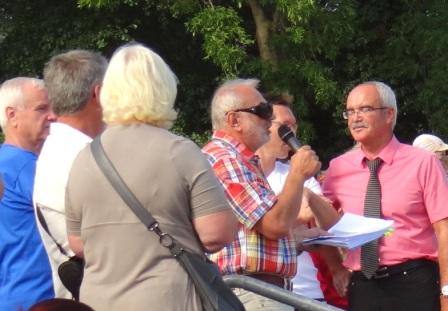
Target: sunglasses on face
column 262, row 110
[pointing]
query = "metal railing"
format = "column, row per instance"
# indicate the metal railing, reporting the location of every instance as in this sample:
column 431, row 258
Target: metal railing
column 299, row 302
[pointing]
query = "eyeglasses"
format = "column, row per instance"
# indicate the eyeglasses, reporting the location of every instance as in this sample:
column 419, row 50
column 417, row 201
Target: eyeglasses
column 361, row 110
column 262, row 110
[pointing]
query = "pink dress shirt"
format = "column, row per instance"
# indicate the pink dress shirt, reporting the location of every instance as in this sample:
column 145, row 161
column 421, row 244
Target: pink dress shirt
column 414, row 194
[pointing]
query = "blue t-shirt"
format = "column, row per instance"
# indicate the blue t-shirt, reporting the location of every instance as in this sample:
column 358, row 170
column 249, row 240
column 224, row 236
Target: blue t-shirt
column 25, row 274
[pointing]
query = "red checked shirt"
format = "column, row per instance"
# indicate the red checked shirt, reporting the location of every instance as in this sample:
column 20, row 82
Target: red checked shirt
column 250, row 196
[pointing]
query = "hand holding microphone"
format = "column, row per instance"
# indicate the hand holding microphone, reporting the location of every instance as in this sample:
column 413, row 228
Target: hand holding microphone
column 304, row 161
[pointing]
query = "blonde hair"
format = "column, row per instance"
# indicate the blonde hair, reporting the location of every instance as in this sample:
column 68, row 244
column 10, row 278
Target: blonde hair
column 138, row 87
column 12, row 94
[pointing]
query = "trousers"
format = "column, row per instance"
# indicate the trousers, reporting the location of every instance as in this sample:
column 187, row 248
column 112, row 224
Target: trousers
column 416, row 289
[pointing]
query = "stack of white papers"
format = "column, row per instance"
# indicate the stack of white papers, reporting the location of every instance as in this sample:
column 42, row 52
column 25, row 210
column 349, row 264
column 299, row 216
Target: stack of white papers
column 352, row 231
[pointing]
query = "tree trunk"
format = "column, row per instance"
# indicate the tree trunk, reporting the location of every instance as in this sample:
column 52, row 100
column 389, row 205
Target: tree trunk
column 263, row 32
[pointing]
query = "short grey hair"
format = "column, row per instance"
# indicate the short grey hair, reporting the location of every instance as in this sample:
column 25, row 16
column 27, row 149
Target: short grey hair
column 70, row 79
column 227, row 98
column 387, row 97
column 12, row 94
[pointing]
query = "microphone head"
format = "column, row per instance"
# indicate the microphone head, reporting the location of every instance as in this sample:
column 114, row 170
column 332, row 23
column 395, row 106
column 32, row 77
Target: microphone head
column 289, row 137
column 285, row 133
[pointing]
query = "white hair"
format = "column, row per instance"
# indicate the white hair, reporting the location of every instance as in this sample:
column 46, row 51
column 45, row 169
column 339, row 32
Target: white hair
column 226, row 98
column 387, row 97
column 138, row 87
column 12, row 94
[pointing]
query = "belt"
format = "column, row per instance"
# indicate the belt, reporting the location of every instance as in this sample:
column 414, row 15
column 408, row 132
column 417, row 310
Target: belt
column 273, row 279
column 401, row 268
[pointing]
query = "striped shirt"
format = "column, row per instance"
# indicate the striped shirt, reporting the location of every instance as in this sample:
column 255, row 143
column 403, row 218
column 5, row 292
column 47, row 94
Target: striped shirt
column 250, row 196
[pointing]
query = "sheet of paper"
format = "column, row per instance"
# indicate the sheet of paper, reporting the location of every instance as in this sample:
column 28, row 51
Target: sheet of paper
column 352, row 231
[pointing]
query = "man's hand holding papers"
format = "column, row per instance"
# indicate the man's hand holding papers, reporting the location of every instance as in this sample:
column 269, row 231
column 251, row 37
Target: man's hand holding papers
column 352, row 231
column 302, row 233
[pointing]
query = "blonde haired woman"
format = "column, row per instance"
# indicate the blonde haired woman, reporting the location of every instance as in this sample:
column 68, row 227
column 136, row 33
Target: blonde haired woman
column 126, row 267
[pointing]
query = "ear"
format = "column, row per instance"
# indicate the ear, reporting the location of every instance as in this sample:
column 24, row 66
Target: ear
column 233, row 120
column 390, row 115
column 11, row 116
column 96, row 94
column 96, row 90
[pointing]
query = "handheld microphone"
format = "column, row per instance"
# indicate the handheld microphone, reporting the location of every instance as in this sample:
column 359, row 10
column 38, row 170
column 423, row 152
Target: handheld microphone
column 285, row 134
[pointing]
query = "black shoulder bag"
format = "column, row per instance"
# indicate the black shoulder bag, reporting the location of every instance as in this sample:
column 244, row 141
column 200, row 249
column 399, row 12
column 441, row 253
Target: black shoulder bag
column 71, row 271
column 214, row 293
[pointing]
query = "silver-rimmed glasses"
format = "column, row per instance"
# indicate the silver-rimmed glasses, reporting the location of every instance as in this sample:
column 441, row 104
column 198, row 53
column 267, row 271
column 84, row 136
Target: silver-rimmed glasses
column 347, row 113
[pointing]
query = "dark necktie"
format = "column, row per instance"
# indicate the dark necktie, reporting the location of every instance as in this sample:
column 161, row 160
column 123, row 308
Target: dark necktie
column 372, row 208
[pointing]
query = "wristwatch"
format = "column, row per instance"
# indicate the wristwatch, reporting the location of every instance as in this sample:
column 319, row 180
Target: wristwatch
column 444, row 291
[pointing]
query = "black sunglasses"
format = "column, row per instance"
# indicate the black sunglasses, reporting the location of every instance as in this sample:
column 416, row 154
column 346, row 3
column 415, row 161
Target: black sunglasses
column 263, row 111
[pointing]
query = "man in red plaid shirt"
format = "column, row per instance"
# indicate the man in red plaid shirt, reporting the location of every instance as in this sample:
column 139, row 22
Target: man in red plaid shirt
column 265, row 247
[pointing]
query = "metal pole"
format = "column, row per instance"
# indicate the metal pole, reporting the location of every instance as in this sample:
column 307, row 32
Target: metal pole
column 273, row 292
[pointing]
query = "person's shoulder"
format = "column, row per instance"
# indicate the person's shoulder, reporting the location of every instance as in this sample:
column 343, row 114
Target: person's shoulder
column 344, row 163
column 218, row 150
column 409, row 148
column 139, row 134
column 84, row 154
column 181, row 144
column 63, row 136
column 416, row 153
column 15, row 159
column 11, row 151
column 346, row 157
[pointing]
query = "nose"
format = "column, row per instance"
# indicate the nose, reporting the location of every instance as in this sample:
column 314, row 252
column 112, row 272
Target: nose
column 357, row 114
column 51, row 117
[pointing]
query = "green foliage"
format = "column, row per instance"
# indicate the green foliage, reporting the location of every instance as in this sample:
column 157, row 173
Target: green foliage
column 199, row 138
column 224, row 37
column 184, row 8
column 297, row 11
column 403, row 43
column 105, row 3
column 318, row 50
column 39, row 29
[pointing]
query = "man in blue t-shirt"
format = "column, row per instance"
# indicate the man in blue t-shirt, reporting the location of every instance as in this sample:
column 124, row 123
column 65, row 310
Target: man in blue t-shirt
column 1, row 186
column 25, row 115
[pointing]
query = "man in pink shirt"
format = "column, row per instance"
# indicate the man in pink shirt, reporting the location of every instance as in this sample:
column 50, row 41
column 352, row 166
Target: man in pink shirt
column 414, row 194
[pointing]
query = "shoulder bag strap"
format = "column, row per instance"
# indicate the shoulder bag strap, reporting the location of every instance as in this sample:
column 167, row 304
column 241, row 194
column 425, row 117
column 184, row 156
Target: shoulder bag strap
column 44, row 225
column 129, row 198
column 119, row 185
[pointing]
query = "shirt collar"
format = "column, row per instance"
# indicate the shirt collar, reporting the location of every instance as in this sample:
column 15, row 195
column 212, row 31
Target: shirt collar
column 236, row 144
column 387, row 154
column 59, row 127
